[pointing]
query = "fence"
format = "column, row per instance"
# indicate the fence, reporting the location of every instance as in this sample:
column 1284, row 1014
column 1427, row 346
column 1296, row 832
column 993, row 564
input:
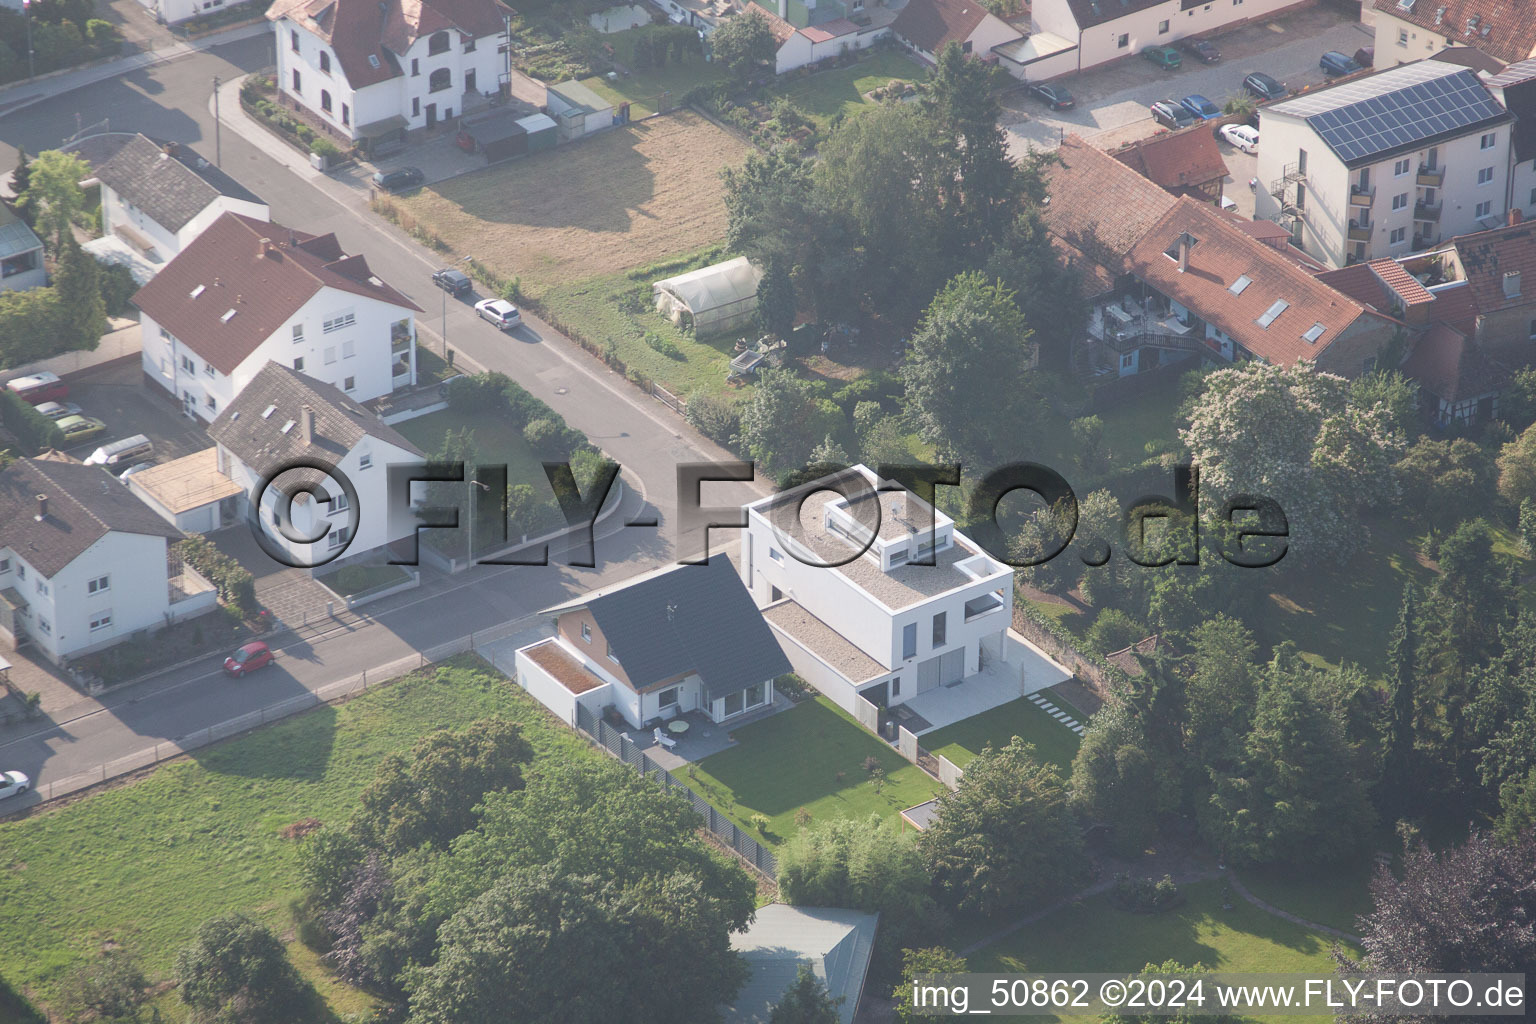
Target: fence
column 668, row 399
column 936, row 765
column 620, row 746
column 349, row 687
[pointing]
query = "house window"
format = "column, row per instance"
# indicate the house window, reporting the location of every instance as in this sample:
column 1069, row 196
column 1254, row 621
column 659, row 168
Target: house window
column 188, row 365
column 909, row 640
column 42, row 586
column 1162, row 27
column 734, row 703
column 1484, row 209
column 21, row 264
column 1533, row 198
column 5, row 565
column 364, row 461
column 1488, row 140
column 325, row 100
column 293, row 40
column 330, row 354
column 940, row 628
column 348, row 349
column 1124, row 40
column 415, row 107
column 44, row 627
column 1400, row 201
column 608, row 650
column 415, row 67
column 298, row 332
column 98, row 584
column 1533, row 329
column 469, row 42
column 298, row 364
column 776, row 555
column 1397, row 236
column 338, row 503
column 439, row 80
column 1485, row 175
column 586, row 632
column 21, row 571
column 667, row 698
column 346, row 114
column 754, row 695
column 325, row 62
column 895, row 686
column 437, row 44
column 100, row 621
column 349, row 384
column 1400, row 168
column 212, row 404
column 298, row 83
column 207, row 369
column 1402, row 37
column 337, row 322
column 338, row 536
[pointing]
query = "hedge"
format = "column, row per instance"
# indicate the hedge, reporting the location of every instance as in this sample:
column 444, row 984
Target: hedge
column 33, row 431
column 237, row 587
column 497, row 393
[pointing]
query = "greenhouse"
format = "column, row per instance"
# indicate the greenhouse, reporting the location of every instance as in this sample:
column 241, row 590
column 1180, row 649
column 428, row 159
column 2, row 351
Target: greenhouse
column 714, row 299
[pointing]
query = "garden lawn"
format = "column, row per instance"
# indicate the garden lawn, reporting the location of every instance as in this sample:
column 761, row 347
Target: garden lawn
column 642, row 89
column 811, row 756
column 1054, row 743
column 1334, row 896
column 1096, row 937
column 496, row 443
column 143, row 865
column 826, row 94
column 355, row 579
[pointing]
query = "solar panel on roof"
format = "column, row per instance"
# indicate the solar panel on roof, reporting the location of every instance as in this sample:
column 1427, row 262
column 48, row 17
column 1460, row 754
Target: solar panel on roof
column 1405, row 116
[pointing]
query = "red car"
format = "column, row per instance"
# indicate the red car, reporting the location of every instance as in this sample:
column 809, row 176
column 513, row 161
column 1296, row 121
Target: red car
column 249, row 658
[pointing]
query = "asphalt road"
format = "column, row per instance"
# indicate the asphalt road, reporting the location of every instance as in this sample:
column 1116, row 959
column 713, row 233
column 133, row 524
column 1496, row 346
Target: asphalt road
column 171, row 101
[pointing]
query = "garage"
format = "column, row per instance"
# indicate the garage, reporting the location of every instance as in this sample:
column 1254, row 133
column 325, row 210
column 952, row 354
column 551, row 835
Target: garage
column 497, row 136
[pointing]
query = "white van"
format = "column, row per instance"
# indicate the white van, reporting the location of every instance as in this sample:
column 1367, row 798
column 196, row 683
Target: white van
column 122, row 453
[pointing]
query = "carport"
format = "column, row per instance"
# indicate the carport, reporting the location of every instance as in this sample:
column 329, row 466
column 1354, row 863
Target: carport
column 499, row 136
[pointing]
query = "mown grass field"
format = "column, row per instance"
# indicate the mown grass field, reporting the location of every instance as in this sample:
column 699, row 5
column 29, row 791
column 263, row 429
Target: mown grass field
column 142, row 865
column 1055, row 744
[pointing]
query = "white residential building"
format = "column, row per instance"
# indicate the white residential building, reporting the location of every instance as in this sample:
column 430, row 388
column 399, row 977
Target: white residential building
column 284, row 416
column 85, row 564
column 246, row 293
column 1386, row 164
column 373, row 69
column 1106, row 30
column 158, row 198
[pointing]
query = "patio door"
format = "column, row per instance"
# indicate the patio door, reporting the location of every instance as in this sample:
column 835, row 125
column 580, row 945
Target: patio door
column 928, row 674
column 431, row 114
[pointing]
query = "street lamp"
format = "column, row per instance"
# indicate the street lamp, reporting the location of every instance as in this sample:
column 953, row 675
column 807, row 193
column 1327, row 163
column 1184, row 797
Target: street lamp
column 26, row 8
column 218, row 149
column 463, row 259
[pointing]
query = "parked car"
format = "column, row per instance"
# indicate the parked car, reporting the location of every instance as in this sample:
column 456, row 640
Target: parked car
column 454, row 282
column 1263, row 87
column 136, row 468
column 1163, row 56
column 124, row 451
column 1335, row 63
column 1201, row 107
column 248, row 658
column 1053, row 96
column 1204, row 52
column 81, row 428
column 1240, row 136
column 1169, row 114
column 13, row 784
column 399, row 179
column 58, row 410
column 499, row 312
column 39, row 388
column 1366, row 56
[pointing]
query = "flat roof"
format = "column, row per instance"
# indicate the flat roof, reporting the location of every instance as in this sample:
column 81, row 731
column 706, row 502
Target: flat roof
column 791, row 618
column 923, row 815
column 189, row 482
column 565, row 669
column 576, row 94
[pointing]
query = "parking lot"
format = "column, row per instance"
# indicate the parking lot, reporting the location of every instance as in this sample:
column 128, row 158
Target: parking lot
column 117, row 394
column 1112, row 100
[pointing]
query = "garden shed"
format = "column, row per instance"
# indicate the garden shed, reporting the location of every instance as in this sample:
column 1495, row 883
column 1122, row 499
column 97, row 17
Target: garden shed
column 718, row 298
column 540, row 129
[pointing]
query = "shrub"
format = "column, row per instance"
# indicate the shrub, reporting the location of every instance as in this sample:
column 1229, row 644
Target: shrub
column 760, row 823
column 33, row 431
column 237, row 587
column 99, row 31
column 541, row 434
column 714, row 416
column 117, row 287
column 325, row 148
column 792, row 686
column 656, row 343
column 1143, row 895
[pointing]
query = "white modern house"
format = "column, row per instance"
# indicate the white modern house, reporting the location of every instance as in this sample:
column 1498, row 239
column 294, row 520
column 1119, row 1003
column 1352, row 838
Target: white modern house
column 874, row 594
column 158, row 198
column 246, row 293
column 373, row 69
column 1104, row 30
column 284, row 416
column 676, row 640
column 1386, row 164
column 85, row 564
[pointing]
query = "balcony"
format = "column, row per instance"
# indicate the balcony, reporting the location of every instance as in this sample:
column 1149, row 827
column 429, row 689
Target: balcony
column 1360, row 232
column 1426, row 211
column 1126, row 330
column 399, row 336
column 1361, row 196
column 986, row 604
column 1425, row 241
column 1433, row 176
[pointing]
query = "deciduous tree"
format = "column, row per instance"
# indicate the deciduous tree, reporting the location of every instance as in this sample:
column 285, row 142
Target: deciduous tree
column 744, row 45
column 53, row 195
column 236, row 972
column 785, row 421
column 806, row 1002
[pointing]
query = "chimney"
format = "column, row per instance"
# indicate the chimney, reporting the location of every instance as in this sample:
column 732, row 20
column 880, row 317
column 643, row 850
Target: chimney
column 1183, row 252
column 42, row 507
column 307, row 424
column 1477, row 331
column 264, row 247
column 1515, row 216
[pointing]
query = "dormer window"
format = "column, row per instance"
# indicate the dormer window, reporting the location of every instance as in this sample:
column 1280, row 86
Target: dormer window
column 438, row 43
column 1512, row 284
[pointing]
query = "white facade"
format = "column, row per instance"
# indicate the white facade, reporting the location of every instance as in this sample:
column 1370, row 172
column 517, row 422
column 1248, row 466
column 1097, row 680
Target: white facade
column 1390, row 207
column 118, row 213
column 799, row 49
column 990, row 31
column 1162, row 25
column 925, row 626
column 441, row 75
column 169, row 12
column 364, row 346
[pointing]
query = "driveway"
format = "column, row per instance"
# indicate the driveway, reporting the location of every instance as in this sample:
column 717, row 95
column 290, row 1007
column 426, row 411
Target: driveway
column 1112, row 101
column 117, row 394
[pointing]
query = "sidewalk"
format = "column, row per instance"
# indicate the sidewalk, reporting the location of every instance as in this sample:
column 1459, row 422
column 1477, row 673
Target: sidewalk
column 21, row 95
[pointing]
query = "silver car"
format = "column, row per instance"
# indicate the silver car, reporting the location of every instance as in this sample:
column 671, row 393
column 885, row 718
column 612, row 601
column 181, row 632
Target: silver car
column 58, row 410
column 499, row 312
column 13, row 784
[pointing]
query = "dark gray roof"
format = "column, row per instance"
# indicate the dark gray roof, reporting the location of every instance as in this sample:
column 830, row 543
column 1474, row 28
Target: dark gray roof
column 170, row 187
column 85, row 503
column 260, row 441
column 690, row 618
column 834, row 943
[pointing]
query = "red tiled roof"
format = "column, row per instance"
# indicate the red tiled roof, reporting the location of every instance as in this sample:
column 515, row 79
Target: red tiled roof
column 1360, row 283
column 1489, row 258
column 1219, row 255
column 780, row 28
column 1449, row 365
column 1403, row 284
column 1505, row 29
column 225, row 265
column 1263, row 230
column 1176, row 160
column 929, row 24
column 1098, row 205
column 829, row 30
column 1455, row 305
column 1520, row 71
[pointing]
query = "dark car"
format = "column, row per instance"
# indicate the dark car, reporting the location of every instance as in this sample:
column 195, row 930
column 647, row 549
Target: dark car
column 399, row 179
column 1163, row 56
column 1264, row 87
column 248, row 658
column 454, row 282
column 1335, row 63
column 1169, row 114
column 1366, row 56
column 1204, row 52
column 1053, row 96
